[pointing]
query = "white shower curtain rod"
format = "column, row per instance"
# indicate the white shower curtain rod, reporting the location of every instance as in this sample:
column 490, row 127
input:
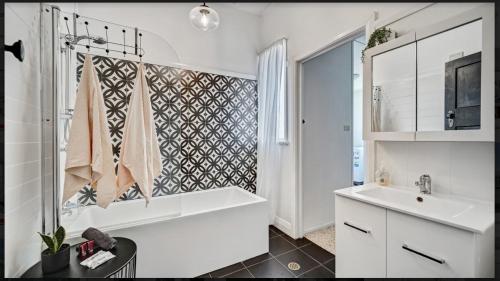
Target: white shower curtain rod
column 272, row 43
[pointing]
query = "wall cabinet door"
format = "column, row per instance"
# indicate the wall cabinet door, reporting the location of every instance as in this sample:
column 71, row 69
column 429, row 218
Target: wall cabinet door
column 439, row 57
column 422, row 248
column 394, row 90
column 390, row 90
column 360, row 239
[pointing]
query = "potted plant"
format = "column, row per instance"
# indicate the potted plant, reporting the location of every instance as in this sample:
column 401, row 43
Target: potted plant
column 56, row 256
column 379, row 36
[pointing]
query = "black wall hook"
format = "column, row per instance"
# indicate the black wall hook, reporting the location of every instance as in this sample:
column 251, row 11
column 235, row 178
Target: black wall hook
column 17, row 49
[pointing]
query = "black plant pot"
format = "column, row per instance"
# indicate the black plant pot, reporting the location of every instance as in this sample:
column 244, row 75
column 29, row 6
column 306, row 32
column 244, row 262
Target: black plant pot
column 55, row 262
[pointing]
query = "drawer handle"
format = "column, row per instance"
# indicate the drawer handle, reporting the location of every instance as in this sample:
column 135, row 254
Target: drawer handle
column 438, row 260
column 357, row 228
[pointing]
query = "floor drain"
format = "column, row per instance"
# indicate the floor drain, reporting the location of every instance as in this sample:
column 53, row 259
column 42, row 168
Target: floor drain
column 293, row 266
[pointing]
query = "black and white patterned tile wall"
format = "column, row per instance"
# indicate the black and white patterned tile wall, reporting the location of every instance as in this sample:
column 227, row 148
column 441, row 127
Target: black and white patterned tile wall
column 206, row 125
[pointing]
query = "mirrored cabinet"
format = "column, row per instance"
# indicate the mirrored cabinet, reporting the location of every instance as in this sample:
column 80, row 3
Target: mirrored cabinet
column 393, row 90
column 434, row 84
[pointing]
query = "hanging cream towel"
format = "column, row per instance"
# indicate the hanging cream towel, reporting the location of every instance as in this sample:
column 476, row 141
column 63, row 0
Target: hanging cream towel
column 89, row 158
column 140, row 159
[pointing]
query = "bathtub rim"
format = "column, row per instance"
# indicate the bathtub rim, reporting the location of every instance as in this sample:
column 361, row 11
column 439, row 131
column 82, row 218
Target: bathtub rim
column 171, row 217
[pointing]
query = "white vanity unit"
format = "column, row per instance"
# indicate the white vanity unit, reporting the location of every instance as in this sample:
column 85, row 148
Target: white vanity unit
column 399, row 232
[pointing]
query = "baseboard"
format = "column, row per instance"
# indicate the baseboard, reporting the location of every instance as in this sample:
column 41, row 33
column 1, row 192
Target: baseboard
column 314, row 228
column 283, row 225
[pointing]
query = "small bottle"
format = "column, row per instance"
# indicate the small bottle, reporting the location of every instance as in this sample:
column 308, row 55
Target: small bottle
column 382, row 176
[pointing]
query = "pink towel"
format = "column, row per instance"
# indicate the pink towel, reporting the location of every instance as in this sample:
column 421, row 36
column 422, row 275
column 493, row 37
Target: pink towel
column 89, row 158
column 140, row 158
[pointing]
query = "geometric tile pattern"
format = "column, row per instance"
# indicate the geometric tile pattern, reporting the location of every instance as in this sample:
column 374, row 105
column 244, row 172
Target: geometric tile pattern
column 206, row 125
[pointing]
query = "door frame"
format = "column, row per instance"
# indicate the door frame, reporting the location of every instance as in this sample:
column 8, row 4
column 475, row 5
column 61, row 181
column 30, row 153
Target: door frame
column 298, row 65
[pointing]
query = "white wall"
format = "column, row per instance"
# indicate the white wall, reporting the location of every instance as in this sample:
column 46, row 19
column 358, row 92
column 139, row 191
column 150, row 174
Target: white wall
column 456, row 168
column 22, row 141
column 309, row 27
column 231, row 47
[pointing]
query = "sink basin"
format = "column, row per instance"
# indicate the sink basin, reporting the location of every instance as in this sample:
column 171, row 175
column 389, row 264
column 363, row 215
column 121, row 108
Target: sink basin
column 464, row 213
column 419, row 202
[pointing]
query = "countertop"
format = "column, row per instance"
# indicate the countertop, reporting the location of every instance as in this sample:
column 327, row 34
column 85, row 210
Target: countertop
column 479, row 216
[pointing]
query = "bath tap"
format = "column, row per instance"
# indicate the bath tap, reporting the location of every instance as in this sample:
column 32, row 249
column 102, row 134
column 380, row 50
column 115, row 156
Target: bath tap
column 67, row 208
column 424, row 183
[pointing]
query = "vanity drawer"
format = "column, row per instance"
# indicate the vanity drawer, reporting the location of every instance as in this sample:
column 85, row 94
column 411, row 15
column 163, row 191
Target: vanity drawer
column 421, row 248
column 360, row 239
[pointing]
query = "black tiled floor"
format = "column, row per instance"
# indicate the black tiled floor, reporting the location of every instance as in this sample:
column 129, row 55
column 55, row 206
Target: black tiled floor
column 304, row 261
column 270, row 269
column 244, row 273
column 330, row 265
column 319, row 272
column 317, row 253
column 272, row 234
column 278, row 245
column 313, row 260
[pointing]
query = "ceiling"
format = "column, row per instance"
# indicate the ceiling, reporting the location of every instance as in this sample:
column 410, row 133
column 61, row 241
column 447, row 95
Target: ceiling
column 252, row 8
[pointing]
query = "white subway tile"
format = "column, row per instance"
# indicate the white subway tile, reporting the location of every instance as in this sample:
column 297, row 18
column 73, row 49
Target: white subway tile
column 394, row 157
column 16, row 175
column 21, row 112
column 473, row 169
column 14, row 196
column 17, row 153
column 22, row 132
column 23, row 245
column 431, row 158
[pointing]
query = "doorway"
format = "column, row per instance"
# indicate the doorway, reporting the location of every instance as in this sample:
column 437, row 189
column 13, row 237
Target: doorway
column 331, row 146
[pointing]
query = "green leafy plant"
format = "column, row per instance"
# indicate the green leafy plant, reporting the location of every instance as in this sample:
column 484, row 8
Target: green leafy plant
column 379, row 36
column 55, row 241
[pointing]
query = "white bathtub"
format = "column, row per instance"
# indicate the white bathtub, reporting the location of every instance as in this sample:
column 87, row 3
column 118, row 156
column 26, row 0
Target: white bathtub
column 184, row 235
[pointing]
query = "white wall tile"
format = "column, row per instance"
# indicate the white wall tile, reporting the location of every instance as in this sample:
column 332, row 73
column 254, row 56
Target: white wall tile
column 456, row 168
column 22, row 173
column 21, row 112
column 394, row 157
column 22, row 193
column 17, row 153
column 431, row 158
column 473, row 170
column 22, row 247
column 23, row 141
column 19, row 131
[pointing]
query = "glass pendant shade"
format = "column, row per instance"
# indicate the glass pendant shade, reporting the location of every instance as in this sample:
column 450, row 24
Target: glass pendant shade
column 204, row 18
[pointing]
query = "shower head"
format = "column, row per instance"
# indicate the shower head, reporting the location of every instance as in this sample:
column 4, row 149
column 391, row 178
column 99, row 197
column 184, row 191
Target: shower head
column 96, row 40
column 71, row 41
column 99, row 40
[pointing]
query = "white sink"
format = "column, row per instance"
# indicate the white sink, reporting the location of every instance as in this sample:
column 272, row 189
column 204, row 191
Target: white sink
column 472, row 215
column 419, row 202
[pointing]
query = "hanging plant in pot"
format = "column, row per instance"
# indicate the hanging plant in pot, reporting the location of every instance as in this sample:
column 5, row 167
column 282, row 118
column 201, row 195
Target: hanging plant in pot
column 56, row 256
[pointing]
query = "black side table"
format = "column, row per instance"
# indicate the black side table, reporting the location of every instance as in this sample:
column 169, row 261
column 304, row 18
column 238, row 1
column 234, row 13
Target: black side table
column 121, row 266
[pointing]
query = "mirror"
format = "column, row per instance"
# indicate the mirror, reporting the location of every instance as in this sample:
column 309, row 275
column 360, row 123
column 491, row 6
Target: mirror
column 449, row 79
column 394, row 90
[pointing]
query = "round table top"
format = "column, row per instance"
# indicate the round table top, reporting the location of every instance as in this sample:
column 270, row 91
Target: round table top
column 124, row 251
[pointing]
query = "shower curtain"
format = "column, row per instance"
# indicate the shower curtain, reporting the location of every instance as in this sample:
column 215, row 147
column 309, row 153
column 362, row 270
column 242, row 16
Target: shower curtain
column 271, row 121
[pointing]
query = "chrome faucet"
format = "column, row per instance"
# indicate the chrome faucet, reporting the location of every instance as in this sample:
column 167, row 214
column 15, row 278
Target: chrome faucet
column 424, row 183
column 67, row 208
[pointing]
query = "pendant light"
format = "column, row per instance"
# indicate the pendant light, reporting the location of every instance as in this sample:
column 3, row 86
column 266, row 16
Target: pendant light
column 204, row 18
